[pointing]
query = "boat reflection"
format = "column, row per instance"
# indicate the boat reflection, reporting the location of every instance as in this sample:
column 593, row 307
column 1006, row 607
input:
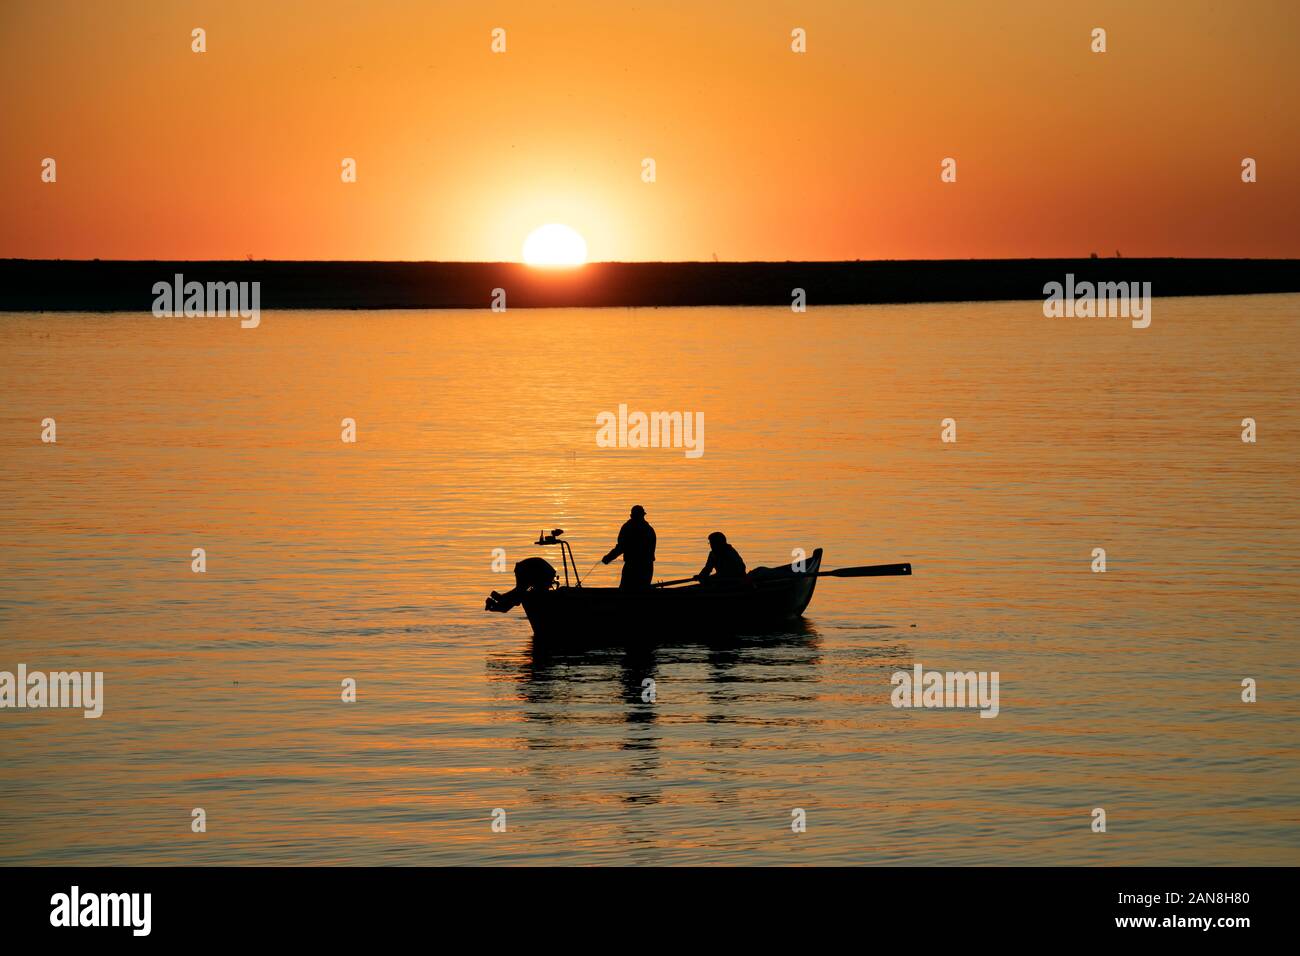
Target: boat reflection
column 550, row 673
column 645, row 703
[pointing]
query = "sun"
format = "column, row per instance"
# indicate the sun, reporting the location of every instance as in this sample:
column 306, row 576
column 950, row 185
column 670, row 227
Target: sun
column 554, row 245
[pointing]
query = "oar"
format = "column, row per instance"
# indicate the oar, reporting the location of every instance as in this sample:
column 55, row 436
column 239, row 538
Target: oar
column 864, row 571
column 867, row 571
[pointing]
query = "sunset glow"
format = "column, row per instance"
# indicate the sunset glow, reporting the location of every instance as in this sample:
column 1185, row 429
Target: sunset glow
column 830, row 437
column 461, row 151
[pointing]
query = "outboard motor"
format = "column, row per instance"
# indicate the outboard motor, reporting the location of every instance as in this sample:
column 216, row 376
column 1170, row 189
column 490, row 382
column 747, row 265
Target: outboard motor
column 531, row 574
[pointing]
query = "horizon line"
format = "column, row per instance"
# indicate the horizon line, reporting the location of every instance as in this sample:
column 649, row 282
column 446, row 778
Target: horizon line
column 674, row 262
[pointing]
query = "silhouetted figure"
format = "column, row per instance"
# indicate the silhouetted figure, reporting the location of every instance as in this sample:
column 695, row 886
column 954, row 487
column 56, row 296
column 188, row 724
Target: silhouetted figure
column 724, row 561
column 636, row 543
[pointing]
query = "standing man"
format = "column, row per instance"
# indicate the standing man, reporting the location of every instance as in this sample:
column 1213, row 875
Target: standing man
column 636, row 542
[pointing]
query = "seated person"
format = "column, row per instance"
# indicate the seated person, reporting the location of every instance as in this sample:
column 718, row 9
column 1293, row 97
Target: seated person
column 724, row 561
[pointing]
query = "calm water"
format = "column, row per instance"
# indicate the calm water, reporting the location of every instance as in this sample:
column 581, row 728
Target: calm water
column 371, row 561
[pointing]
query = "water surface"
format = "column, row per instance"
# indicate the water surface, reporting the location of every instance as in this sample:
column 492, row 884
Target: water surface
column 371, row 561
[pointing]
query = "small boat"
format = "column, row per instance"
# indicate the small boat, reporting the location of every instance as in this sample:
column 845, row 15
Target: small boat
column 767, row 600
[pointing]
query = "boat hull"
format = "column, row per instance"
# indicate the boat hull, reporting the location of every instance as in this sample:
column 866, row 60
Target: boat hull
column 771, row 600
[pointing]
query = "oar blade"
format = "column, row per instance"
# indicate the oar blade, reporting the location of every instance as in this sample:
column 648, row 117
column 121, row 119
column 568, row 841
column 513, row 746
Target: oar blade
column 868, row 571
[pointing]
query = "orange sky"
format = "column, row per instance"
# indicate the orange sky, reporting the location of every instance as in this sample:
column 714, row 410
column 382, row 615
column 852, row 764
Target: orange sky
column 761, row 153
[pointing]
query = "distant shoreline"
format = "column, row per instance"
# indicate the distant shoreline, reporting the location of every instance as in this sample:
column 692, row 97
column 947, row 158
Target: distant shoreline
column 62, row 285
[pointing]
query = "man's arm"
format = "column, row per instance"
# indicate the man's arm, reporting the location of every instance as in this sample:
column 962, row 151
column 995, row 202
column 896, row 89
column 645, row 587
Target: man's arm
column 708, row 566
column 618, row 548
